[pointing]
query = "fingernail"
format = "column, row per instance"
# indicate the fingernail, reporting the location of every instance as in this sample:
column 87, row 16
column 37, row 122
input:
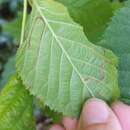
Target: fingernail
column 95, row 112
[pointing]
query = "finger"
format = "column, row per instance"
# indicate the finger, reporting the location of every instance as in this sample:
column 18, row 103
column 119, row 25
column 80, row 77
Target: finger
column 123, row 113
column 56, row 127
column 69, row 123
column 96, row 115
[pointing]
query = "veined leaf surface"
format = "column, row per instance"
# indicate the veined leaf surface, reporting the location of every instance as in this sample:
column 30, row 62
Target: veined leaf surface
column 16, row 111
column 58, row 64
column 93, row 15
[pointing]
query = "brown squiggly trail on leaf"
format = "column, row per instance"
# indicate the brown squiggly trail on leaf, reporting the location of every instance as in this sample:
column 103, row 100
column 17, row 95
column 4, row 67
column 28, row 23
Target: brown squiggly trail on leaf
column 61, row 66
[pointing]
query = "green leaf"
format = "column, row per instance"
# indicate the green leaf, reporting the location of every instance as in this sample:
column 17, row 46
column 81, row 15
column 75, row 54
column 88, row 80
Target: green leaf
column 58, row 64
column 2, row 1
column 14, row 27
column 117, row 39
column 16, row 111
column 9, row 70
column 127, row 3
column 75, row 3
column 117, row 5
column 93, row 15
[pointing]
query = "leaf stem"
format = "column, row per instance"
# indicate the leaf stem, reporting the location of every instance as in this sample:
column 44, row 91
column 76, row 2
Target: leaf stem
column 23, row 21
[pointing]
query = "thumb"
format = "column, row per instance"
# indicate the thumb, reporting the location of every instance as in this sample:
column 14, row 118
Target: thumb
column 96, row 115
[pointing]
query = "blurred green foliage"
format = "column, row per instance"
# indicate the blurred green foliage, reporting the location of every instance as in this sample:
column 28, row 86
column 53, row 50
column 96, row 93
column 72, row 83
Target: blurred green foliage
column 9, row 70
column 10, row 28
column 13, row 28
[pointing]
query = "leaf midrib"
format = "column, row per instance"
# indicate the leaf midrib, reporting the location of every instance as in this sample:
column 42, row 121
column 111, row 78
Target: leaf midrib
column 62, row 48
column 64, row 51
column 107, row 60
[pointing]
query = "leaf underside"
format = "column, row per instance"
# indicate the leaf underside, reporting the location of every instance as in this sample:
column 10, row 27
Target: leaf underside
column 16, row 111
column 93, row 15
column 59, row 65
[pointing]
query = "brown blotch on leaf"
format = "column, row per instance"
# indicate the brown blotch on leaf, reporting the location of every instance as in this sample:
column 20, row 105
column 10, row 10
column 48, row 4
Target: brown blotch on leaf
column 30, row 33
column 102, row 73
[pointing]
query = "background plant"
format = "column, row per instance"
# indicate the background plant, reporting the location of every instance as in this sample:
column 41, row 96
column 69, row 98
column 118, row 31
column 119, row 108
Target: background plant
column 99, row 32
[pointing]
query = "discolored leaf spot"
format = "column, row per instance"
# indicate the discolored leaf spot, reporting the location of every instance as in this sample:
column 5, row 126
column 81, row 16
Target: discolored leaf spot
column 61, row 66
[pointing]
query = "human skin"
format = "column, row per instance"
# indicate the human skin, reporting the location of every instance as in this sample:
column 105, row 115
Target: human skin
column 97, row 115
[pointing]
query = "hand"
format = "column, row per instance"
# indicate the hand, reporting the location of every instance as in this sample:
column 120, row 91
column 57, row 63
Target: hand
column 97, row 115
